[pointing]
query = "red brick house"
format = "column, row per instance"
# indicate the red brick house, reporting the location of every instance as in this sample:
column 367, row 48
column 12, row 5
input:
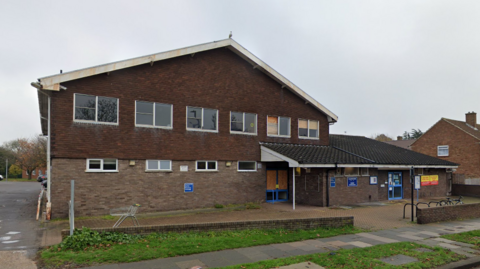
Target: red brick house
column 207, row 124
column 35, row 173
column 454, row 141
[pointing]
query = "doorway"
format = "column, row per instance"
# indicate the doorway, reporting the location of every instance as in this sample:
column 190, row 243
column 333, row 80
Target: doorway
column 277, row 185
column 395, row 187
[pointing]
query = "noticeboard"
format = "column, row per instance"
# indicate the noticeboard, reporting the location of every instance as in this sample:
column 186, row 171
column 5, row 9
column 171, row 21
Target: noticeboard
column 332, row 182
column 352, row 182
column 429, row 180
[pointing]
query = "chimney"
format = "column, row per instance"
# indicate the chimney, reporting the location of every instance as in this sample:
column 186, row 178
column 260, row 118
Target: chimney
column 471, row 119
column 399, row 137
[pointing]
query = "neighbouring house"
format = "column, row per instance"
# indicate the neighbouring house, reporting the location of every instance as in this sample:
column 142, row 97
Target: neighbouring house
column 400, row 142
column 207, row 124
column 455, row 141
column 35, row 173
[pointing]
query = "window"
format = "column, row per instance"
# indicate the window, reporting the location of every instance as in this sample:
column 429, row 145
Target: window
column 247, row 166
column 245, row 123
column 418, row 171
column 278, row 126
column 153, row 114
column 442, row 151
column 206, row 166
column 90, row 108
column 338, row 171
column 40, row 172
column 26, row 172
column 202, row 119
column 102, row 165
column 364, row 172
column 33, row 173
column 308, row 129
column 351, row 171
column 159, row 165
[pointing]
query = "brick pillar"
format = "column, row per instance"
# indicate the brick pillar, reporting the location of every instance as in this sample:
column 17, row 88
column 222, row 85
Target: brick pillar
column 471, row 118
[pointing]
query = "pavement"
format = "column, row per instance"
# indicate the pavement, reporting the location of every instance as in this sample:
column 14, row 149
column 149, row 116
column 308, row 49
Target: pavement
column 19, row 231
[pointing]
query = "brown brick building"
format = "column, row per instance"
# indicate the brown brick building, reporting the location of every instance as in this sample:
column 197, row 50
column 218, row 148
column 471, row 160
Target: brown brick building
column 455, row 141
column 202, row 125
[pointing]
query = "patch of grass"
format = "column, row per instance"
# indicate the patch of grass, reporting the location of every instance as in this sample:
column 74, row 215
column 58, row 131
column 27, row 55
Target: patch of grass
column 252, row 206
column 162, row 245
column 471, row 237
column 21, row 180
column 219, row 206
column 366, row 257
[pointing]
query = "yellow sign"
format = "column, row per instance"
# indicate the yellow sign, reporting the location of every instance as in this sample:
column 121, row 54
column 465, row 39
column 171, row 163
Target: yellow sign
column 276, row 186
column 429, row 180
column 298, row 171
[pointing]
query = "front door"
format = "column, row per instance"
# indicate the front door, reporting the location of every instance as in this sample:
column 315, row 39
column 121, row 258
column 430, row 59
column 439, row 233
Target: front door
column 277, row 185
column 395, row 189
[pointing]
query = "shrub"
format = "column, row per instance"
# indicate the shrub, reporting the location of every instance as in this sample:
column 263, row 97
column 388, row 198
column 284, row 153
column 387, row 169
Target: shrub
column 85, row 238
column 252, row 206
column 218, row 206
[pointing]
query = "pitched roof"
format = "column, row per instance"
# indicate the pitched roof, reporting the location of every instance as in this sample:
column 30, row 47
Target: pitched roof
column 471, row 130
column 401, row 143
column 359, row 150
column 53, row 82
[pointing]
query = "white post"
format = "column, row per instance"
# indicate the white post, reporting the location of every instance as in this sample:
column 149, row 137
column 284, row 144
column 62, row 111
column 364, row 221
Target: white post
column 72, row 206
column 6, row 171
column 293, row 177
column 49, row 172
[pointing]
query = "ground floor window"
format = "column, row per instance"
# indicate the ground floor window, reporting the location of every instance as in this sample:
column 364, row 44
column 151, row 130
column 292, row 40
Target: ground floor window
column 351, row 171
column 246, row 166
column 364, row 172
column 102, row 165
column 206, row 166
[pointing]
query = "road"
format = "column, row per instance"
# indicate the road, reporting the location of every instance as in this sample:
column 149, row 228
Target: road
column 20, row 233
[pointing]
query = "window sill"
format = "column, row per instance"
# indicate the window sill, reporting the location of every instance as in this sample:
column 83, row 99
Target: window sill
column 101, row 171
column 207, row 171
column 281, row 136
column 158, row 171
column 201, row 130
column 309, row 138
column 246, row 171
column 154, row 127
column 96, row 122
column 242, row 133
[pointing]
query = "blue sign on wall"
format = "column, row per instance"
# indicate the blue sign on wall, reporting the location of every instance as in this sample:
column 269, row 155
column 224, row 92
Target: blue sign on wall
column 352, row 182
column 332, row 182
column 188, row 187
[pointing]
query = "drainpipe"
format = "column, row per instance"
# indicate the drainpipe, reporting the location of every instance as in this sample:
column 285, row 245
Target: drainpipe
column 293, row 174
column 328, row 184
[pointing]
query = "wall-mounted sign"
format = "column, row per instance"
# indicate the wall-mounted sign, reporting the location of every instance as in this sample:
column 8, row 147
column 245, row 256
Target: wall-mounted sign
column 429, row 180
column 373, row 180
column 417, row 182
column 183, row 168
column 332, row 182
column 188, row 187
column 382, row 185
column 352, row 182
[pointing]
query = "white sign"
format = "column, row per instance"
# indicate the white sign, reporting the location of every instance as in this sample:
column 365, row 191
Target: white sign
column 259, row 165
column 183, row 168
column 417, row 182
column 382, row 185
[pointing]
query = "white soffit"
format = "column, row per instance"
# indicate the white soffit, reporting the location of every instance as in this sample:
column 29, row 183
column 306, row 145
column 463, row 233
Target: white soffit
column 53, row 82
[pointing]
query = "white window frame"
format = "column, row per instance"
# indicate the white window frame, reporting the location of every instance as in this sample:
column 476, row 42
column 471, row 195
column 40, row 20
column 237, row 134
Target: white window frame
column 345, row 171
column 443, row 147
column 34, row 172
column 159, row 169
column 206, row 166
column 278, row 128
column 238, row 166
column 154, row 126
column 308, row 130
column 201, row 129
column 243, row 132
column 96, row 110
column 362, row 174
column 101, row 166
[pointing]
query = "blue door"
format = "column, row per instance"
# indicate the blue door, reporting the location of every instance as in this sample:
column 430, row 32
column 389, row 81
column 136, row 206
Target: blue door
column 395, row 189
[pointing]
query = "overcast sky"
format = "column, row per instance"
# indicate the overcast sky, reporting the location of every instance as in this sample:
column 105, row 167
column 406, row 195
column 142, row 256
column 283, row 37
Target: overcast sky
column 380, row 66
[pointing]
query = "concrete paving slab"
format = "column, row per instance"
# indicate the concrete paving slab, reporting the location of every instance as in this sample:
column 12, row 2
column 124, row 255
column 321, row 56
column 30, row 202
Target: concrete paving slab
column 16, row 259
column 378, row 238
column 448, row 246
column 337, row 243
column 284, row 247
column 303, row 265
column 360, row 244
column 296, row 244
column 234, row 256
column 431, row 234
column 444, row 240
column 190, row 264
column 398, row 259
column 411, row 237
column 297, row 252
column 276, row 253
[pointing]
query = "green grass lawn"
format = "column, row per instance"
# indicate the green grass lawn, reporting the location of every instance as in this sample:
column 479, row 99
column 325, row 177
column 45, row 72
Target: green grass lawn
column 472, row 237
column 106, row 250
column 21, row 180
column 366, row 257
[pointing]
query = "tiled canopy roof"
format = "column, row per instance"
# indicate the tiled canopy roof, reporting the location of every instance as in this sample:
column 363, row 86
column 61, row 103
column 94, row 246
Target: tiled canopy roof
column 345, row 149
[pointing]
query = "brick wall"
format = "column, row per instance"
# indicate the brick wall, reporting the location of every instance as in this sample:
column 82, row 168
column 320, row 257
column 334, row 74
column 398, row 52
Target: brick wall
column 291, row 224
column 310, row 187
column 217, row 79
column 97, row 193
column 341, row 194
column 466, row 190
column 447, row 213
column 463, row 148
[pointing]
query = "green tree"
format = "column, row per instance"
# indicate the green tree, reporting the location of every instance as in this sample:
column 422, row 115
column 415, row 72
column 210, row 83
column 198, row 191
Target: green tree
column 415, row 134
column 382, row 137
column 15, row 171
column 406, row 136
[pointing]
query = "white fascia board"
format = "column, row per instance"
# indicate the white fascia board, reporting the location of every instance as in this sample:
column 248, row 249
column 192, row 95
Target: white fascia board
column 379, row 166
column 53, row 82
column 265, row 157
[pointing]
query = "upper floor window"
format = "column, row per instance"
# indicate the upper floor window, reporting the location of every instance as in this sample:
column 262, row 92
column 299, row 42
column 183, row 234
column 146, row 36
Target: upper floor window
column 308, row 129
column 206, row 166
column 150, row 114
column 102, row 165
column 89, row 108
column 159, row 165
column 245, row 123
column 278, row 126
column 442, row 151
column 202, row 119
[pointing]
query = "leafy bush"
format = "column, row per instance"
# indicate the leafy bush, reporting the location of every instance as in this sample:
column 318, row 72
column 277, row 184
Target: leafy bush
column 85, row 238
column 218, row 206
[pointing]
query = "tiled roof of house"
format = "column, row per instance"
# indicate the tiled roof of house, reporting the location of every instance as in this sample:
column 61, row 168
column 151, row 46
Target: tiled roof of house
column 471, row 130
column 401, row 143
column 344, row 149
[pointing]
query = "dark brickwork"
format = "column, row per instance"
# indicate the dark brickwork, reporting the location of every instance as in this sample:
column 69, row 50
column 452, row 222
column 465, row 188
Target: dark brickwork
column 97, row 193
column 466, row 190
column 217, row 79
column 464, row 149
column 310, row 187
column 447, row 213
column 290, row 224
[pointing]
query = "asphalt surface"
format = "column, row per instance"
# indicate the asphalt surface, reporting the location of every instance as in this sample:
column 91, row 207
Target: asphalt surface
column 20, row 233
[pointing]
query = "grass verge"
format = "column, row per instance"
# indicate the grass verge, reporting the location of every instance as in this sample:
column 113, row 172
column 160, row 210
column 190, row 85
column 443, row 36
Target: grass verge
column 90, row 248
column 21, row 180
column 366, row 257
column 471, row 237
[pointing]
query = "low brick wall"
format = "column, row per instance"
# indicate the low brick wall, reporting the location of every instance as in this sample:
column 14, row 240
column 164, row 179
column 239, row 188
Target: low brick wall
column 447, row 213
column 291, row 224
column 466, row 190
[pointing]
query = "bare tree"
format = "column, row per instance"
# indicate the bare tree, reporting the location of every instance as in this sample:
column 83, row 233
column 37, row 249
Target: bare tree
column 29, row 154
column 382, row 137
